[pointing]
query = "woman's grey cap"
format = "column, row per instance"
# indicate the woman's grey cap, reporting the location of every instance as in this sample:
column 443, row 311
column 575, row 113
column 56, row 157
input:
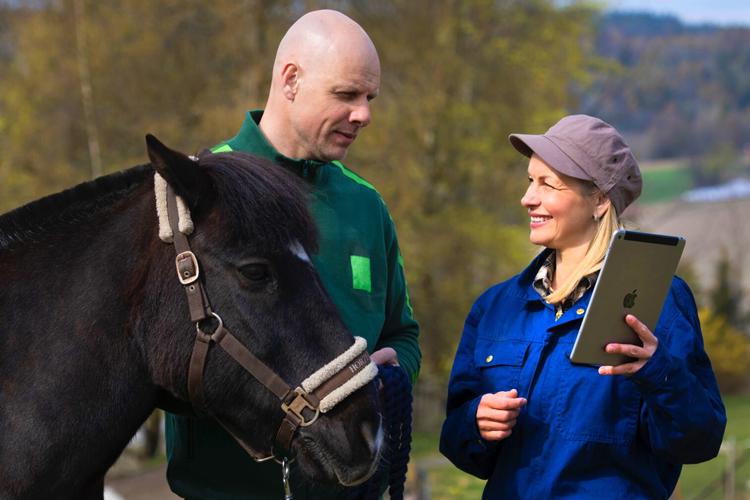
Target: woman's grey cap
column 587, row 148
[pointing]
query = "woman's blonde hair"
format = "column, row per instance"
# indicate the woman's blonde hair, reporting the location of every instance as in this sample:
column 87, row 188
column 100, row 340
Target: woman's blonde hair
column 594, row 258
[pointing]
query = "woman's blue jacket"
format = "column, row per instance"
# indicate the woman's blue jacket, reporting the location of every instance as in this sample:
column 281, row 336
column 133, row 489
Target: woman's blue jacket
column 581, row 434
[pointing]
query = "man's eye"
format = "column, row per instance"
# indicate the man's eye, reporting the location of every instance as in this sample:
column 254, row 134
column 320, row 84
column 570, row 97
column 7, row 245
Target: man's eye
column 256, row 272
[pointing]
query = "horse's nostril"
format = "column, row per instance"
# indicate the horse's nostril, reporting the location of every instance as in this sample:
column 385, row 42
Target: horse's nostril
column 373, row 437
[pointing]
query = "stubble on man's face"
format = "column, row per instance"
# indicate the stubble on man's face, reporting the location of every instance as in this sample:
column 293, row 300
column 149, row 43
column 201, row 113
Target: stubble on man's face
column 332, row 105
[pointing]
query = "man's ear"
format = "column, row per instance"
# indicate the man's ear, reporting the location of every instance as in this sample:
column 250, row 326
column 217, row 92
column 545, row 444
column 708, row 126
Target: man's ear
column 180, row 171
column 290, row 79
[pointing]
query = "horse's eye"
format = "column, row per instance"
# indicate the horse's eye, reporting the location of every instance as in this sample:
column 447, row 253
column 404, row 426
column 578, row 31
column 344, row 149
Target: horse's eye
column 256, row 272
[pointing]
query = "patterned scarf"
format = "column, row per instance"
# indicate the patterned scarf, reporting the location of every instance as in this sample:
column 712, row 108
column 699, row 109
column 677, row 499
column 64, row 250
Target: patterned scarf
column 543, row 285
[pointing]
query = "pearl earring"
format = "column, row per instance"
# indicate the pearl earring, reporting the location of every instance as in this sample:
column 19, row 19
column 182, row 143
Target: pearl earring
column 596, row 218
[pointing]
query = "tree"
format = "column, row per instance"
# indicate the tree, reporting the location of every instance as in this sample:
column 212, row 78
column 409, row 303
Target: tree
column 178, row 69
column 725, row 298
column 728, row 349
column 458, row 77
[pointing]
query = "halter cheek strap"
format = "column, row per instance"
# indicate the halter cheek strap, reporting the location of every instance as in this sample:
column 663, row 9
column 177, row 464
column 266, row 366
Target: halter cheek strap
column 317, row 394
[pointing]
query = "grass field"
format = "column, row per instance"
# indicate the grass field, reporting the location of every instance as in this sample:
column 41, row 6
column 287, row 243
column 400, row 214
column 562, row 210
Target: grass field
column 664, row 180
column 446, row 482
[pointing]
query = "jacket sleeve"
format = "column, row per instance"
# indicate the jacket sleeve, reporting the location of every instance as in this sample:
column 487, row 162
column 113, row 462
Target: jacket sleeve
column 460, row 440
column 683, row 417
column 400, row 329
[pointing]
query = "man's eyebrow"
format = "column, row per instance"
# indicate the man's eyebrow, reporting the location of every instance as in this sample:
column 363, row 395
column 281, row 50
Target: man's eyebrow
column 352, row 88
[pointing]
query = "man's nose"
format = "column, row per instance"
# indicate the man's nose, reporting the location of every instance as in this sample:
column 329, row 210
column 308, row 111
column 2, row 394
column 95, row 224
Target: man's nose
column 361, row 114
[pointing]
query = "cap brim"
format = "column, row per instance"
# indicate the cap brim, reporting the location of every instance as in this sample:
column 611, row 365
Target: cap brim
column 528, row 144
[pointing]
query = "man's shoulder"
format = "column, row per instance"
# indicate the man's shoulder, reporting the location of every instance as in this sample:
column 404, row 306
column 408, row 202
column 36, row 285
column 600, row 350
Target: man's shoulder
column 222, row 147
column 353, row 187
column 347, row 175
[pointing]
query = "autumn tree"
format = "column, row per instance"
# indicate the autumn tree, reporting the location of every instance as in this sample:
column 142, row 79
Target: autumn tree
column 458, row 77
column 728, row 349
column 184, row 70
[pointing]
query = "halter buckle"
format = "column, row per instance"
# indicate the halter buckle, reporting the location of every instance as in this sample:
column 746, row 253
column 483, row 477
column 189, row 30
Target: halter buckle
column 187, row 267
column 298, row 404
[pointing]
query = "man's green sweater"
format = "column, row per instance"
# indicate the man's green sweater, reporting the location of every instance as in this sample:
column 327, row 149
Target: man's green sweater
column 362, row 270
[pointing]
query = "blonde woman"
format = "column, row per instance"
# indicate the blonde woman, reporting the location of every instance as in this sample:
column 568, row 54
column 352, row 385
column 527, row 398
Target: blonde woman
column 519, row 413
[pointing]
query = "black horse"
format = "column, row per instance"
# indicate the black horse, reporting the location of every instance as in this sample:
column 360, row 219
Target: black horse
column 95, row 328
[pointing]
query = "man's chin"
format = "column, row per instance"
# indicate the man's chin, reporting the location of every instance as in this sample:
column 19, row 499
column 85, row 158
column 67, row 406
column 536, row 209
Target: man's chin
column 334, row 154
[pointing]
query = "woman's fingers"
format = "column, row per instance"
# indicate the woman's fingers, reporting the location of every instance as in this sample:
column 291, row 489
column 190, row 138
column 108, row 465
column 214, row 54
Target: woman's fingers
column 641, row 354
column 643, row 332
column 497, row 413
column 504, row 400
column 496, row 425
column 495, row 435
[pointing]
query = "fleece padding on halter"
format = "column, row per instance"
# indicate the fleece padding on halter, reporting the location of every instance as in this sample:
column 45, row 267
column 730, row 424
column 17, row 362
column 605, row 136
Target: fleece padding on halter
column 184, row 222
column 359, row 380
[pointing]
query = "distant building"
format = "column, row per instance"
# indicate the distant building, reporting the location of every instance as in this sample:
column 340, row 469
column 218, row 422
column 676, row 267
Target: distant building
column 732, row 190
column 713, row 228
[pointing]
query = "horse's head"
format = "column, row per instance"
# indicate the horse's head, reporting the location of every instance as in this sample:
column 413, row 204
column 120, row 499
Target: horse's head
column 252, row 236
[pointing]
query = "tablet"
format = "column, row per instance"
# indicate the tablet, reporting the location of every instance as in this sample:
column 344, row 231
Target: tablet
column 634, row 279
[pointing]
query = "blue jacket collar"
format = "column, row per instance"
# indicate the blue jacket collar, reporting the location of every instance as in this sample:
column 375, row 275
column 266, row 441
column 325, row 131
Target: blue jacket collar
column 523, row 284
column 525, row 279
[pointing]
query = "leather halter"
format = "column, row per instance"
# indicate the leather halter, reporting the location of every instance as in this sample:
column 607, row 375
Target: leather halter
column 302, row 405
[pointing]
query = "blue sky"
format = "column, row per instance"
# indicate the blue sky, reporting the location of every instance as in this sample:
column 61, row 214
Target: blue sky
column 725, row 12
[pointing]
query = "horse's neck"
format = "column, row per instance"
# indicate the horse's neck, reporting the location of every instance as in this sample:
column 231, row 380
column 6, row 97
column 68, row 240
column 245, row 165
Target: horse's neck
column 72, row 378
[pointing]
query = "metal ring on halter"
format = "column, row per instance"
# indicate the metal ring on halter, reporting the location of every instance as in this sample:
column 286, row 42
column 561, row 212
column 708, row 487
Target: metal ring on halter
column 218, row 318
column 312, row 421
column 298, row 404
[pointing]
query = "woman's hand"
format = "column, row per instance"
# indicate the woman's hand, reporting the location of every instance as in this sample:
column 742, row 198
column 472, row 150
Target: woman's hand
column 641, row 354
column 497, row 414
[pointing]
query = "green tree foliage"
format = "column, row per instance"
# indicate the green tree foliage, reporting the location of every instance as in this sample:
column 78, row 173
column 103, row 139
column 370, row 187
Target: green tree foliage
column 725, row 298
column 720, row 164
column 725, row 327
column 182, row 69
column 728, row 349
column 458, row 77
column 679, row 90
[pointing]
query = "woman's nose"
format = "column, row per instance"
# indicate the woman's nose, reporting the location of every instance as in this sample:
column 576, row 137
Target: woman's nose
column 529, row 198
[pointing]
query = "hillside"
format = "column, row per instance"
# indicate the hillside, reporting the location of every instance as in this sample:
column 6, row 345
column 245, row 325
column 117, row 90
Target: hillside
column 674, row 90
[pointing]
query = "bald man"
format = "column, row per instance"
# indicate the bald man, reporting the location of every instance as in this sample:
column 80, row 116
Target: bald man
column 325, row 74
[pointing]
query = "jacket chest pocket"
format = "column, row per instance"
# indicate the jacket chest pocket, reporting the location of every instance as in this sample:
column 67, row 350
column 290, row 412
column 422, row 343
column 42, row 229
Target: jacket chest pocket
column 500, row 363
column 596, row 408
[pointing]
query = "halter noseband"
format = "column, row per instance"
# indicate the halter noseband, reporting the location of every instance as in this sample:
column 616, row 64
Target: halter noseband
column 302, row 406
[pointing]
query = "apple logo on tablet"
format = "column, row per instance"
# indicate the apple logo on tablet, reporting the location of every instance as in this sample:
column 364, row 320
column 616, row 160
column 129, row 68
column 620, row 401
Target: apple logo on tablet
column 629, row 300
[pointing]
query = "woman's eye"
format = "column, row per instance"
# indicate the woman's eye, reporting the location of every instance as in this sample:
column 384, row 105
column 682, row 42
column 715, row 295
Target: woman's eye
column 256, row 272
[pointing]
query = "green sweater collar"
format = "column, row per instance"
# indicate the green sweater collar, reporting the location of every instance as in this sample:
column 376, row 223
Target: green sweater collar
column 251, row 138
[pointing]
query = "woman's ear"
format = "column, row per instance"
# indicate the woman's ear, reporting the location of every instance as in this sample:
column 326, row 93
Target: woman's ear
column 602, row 204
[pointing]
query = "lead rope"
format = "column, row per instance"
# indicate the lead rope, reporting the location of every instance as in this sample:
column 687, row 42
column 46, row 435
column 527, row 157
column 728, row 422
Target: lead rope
column 397, row 409
column 398, row 402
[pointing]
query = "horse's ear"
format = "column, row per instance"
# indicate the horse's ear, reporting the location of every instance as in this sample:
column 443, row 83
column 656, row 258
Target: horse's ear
column 179, row 170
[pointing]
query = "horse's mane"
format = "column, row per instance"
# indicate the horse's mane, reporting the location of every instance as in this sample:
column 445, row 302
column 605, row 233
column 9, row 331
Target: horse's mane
column 64, row 209
column 252, row 194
